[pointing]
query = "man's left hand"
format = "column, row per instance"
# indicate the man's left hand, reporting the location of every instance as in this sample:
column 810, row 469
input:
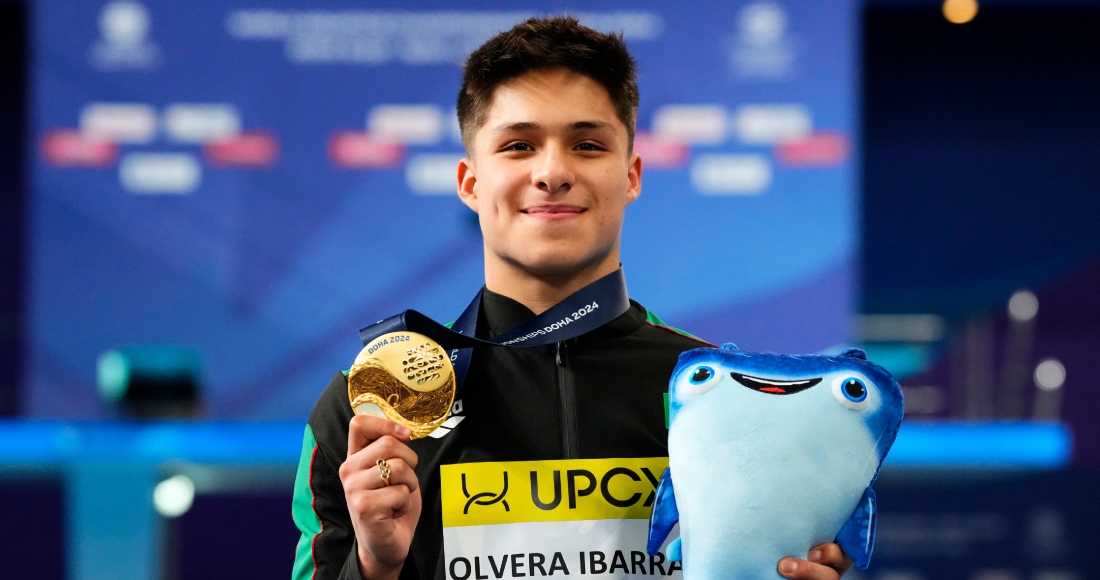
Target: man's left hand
column 824, row 562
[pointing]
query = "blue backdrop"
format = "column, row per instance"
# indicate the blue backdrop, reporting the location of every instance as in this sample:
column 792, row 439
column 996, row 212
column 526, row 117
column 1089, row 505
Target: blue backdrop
column 256, row 181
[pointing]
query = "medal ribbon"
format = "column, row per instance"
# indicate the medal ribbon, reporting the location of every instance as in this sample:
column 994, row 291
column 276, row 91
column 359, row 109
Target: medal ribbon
column 585, row 310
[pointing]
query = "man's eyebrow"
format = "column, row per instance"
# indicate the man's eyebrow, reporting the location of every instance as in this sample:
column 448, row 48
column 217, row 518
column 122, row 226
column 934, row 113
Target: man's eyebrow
column 520, row 126
column 533, row 126
column 581, row 125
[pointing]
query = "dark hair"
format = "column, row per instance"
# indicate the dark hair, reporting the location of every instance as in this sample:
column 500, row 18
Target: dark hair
column 545, row 43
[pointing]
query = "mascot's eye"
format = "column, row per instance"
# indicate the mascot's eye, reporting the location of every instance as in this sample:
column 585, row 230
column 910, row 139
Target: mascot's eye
column 851, row 392
column 702, row 375
column 854, row 390
column 698, row 381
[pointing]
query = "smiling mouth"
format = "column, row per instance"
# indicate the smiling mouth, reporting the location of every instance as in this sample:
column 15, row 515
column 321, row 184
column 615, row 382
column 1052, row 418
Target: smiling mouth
column 774, row 387
column 554, row 210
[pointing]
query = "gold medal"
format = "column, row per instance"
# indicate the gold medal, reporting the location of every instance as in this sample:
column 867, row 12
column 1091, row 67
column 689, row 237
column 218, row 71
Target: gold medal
column 405, row 377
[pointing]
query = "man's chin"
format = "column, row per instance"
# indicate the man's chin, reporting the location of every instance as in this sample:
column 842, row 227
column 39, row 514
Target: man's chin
column 559, row 266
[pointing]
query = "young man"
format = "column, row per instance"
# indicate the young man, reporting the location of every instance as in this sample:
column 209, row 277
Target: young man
column 547, row 112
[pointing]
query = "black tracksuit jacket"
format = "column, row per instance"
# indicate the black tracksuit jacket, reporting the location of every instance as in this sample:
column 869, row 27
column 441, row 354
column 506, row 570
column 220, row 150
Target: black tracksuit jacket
column 600, row 395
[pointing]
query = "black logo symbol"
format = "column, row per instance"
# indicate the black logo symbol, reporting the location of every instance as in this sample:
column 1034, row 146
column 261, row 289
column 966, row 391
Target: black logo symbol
column 485, row 497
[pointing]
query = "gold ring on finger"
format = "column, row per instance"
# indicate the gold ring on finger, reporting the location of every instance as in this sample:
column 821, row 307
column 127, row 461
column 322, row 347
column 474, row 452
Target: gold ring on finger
column 384, row 472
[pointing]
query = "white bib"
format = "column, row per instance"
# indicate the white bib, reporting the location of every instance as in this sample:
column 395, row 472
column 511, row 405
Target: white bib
column 553, row 519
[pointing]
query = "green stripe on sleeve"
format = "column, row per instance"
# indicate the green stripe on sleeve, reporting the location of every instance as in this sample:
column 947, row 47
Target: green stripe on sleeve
column 656, row 321
column 302, row 510
column 668, row 421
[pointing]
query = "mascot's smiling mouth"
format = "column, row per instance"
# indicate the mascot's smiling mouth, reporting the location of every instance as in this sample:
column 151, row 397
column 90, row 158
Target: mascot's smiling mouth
column 773, row 386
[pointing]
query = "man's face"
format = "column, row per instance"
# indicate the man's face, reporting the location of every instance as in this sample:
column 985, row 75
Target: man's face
column 550, row 176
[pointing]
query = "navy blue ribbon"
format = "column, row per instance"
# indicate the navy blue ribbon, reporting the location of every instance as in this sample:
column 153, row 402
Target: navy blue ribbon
column 583, row 311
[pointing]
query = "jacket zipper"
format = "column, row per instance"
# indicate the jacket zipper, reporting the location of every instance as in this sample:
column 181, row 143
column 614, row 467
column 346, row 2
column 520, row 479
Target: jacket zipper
column 568, row 393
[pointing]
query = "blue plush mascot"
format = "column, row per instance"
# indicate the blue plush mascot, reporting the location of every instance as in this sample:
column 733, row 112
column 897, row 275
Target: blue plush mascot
column 770, row 455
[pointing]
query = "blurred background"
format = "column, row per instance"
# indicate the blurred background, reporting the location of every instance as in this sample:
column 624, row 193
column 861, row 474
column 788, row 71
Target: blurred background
column 201, row 203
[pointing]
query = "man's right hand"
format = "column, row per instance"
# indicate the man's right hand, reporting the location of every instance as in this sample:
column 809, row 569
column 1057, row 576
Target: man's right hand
column 383, row 516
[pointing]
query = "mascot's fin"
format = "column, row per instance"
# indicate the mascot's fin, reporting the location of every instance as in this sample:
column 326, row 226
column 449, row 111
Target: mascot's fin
column 675, row 552
column 664, row 515
column 857, row 537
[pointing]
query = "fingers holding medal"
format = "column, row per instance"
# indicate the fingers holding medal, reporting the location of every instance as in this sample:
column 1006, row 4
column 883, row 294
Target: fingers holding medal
column 378, row 459
column 384, row 474
column 377, row 455
column 405, row 377
column 381, row 490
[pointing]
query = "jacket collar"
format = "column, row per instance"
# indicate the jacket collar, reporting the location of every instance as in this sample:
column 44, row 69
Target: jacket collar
column 500, row 314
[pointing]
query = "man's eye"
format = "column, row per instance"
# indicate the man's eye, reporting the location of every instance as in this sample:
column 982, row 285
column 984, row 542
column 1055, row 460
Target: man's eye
column 589, row 147
column 518, row 147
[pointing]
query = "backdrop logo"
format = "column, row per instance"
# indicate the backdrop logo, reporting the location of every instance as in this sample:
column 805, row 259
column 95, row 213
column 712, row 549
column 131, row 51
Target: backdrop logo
column 485, row 497
column 410, row 38
column 124, row 43
column 762, row 48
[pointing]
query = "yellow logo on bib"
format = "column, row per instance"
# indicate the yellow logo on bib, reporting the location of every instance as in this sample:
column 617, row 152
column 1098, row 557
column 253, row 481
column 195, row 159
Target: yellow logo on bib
column 549, row 491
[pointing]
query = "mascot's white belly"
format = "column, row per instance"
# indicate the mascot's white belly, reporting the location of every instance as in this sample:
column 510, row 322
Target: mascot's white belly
column 770, row 455
column 770, row 481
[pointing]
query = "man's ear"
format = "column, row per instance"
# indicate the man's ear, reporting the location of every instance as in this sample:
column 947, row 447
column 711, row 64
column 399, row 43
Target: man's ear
column 467, row 183
column 634, row 178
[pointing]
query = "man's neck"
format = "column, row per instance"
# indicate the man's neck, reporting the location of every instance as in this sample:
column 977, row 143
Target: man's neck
column 540, row 292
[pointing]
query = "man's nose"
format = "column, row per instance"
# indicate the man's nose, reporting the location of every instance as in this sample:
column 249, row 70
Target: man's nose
column 554, row 171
